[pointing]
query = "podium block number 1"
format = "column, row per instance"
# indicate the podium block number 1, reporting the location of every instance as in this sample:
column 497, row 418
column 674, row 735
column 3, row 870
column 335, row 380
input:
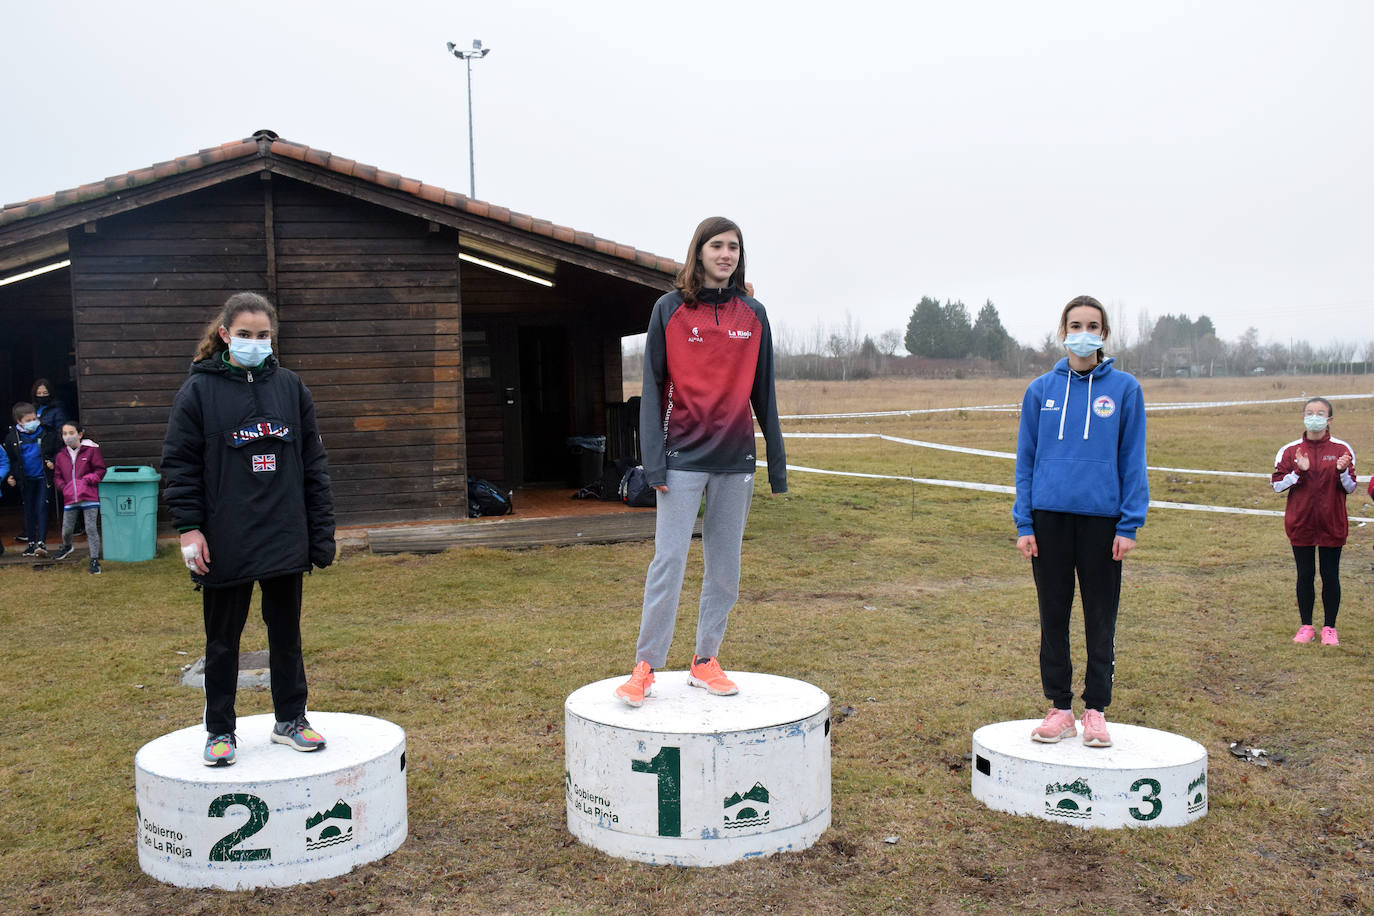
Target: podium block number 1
column 667, row 766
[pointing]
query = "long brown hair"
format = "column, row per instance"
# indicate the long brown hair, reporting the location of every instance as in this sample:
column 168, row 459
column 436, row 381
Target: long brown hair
column 1074, row 303
column 211, row 346
column 689, row 278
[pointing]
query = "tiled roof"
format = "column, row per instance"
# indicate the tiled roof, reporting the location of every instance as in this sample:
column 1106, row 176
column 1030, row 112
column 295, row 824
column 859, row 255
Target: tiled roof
column 267, row 144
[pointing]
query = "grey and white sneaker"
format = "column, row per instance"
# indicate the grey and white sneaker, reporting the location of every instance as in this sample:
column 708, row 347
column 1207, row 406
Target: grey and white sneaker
column 298, row 735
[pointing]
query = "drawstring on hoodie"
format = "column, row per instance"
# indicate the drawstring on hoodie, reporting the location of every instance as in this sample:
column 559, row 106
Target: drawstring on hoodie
column 1087, row 415
column 1088, row 412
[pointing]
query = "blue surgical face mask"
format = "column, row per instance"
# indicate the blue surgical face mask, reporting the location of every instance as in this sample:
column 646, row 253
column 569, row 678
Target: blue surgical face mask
column 1314, row 422
column 1083, row 343
column 248, row 352
column 29, row 427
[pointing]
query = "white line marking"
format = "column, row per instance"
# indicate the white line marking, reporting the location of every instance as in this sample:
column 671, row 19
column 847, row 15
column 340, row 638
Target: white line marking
column 1001, row 488
column 1005, row 408
column 1009, row 455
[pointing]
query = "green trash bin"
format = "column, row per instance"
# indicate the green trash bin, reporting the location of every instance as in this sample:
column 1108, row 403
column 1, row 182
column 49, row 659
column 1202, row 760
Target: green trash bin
column 128, row 513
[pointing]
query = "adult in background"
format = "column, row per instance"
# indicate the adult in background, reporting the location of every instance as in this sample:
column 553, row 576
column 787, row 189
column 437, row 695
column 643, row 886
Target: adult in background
column 52, row 413
column 1316, row 471
column 1081, row 494
column 248, row 488
column 708, row 356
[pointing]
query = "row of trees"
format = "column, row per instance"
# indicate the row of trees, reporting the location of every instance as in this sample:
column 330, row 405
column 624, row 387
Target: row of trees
column 945, row 331
column 942, row 339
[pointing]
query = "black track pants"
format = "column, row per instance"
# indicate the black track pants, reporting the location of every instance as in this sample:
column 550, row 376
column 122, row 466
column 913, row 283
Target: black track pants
column 226, row 612
column 1307, row 559
column 1080, row 544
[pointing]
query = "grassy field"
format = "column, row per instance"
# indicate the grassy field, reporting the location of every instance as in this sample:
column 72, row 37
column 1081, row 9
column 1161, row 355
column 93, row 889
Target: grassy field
column 907, row 603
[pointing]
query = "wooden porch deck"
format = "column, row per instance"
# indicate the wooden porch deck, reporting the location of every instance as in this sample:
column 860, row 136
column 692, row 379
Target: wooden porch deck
column 544, row 516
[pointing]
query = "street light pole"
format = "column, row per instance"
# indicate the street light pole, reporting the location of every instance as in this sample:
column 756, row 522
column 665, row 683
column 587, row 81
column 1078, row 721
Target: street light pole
column 477, row 53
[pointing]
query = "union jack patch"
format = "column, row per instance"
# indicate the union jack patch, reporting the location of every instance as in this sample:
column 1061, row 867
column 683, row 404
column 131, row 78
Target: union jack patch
column 264, row 463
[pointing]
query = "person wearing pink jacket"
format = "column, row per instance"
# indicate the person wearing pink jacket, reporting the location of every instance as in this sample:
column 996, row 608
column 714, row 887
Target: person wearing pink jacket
column 78, row 468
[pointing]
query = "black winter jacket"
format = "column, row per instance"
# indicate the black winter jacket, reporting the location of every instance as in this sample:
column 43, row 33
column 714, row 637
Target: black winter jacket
column 244, row 463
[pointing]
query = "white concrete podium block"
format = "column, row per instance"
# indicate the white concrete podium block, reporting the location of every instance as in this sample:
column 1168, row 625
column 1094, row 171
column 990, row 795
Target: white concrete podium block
column 1147, row 778
column 277, row 817
column 693, row 779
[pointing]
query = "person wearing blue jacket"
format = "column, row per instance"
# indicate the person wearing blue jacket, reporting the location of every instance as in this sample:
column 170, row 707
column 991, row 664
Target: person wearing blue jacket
column 1081, row 494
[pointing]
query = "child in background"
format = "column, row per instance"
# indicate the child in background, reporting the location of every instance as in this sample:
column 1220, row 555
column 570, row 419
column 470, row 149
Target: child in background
column 1315, row 473
column 31, row 447
column 78, row 469
column 4, row 474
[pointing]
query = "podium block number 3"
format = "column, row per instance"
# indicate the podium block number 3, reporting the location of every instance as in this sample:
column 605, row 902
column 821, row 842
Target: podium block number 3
column 1152, row 789
column 667, row 766
column 224, row 850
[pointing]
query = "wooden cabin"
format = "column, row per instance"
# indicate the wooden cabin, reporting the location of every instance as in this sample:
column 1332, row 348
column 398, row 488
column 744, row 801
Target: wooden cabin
column 441, row 336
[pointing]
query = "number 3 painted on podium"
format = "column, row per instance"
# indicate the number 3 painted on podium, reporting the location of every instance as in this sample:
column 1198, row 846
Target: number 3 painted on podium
column 1151, row 797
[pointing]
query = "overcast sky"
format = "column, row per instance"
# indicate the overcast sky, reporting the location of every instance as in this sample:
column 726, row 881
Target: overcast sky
column 1167, row 157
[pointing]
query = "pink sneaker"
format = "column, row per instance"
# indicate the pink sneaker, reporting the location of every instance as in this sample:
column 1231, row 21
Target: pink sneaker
column 1329, row 637
column 706, row 672
column 639, row 686
column 1305, row 633
column 1058, row 724
column 1095, row 729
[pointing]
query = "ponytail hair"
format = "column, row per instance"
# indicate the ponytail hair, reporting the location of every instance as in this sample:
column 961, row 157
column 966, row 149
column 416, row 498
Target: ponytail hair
column 211, row 345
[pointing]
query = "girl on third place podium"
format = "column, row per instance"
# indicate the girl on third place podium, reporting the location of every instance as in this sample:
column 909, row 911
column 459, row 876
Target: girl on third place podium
column 248, row 488
column 1081, row 493
column 1316, row 472
column 708, row 356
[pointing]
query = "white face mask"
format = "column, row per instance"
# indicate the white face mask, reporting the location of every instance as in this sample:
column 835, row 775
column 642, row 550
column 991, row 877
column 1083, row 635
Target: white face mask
column 248, row 352
column 72, row 441
column 1314, row 422
column 1083, row 343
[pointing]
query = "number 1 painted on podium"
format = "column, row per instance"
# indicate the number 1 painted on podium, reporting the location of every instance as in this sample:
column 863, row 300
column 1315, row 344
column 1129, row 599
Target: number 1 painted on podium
column 667, row 766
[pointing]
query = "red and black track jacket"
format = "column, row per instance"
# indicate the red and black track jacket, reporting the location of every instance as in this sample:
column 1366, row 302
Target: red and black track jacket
column 704, row 365
column 1315, row 515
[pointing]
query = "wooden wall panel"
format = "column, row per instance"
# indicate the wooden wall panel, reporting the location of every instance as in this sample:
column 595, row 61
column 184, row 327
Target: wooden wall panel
column 370, row 320
column 368, row 300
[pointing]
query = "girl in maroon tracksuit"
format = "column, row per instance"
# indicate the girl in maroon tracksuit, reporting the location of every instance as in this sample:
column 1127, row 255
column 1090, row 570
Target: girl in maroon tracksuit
column 1317, row 472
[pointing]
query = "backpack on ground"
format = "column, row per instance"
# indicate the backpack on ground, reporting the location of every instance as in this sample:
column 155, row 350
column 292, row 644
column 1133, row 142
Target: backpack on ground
column 485, row 498
column 635, row 490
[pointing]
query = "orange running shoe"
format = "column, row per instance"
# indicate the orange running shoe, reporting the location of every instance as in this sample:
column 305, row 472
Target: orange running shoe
column 639, row 686
column 705, row 672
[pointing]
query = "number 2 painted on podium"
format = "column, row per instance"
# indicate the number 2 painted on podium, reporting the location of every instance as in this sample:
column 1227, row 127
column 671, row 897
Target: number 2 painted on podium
column 667, row 766
column 224, row 850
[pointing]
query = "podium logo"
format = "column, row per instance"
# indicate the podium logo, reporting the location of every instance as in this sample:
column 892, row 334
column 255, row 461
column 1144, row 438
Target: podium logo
column 747, row 810
column 1069, row 801
column 1197, row 793
column 329, row 828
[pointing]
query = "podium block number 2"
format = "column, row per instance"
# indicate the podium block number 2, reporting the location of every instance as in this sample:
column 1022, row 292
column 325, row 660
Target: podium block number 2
column 667, row 766
column 224, row 850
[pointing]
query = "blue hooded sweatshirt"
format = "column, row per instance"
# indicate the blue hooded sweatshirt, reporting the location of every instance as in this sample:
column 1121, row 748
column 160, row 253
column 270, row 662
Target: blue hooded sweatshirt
column 1081, row 448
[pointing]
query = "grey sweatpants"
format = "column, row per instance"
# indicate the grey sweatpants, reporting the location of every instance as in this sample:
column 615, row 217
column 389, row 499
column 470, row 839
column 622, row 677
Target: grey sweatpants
column 722, row 532
column 92, row 528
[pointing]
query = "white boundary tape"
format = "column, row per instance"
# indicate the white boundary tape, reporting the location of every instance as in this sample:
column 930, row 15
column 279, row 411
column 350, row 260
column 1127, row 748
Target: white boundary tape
column 1006, row 408
column 1002, row 488
column 1008, row 455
